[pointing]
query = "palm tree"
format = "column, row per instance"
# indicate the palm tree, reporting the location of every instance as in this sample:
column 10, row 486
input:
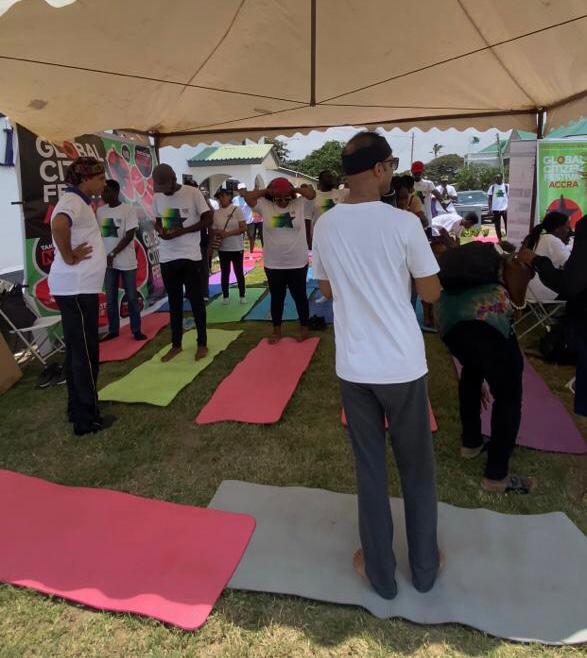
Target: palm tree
column 436, row 149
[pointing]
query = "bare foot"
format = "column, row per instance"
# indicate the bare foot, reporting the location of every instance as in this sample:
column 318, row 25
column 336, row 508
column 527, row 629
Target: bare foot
column 173, row 352
column 304, row 334
column 359, row 565
column 512, row 483
column 275, row 336
column 201, row 352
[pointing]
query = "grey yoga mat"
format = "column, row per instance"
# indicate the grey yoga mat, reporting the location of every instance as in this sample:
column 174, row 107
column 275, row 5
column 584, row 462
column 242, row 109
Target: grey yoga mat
column 518, row 577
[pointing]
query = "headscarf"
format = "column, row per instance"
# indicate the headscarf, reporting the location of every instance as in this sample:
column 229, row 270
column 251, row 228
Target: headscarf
column 83, row 168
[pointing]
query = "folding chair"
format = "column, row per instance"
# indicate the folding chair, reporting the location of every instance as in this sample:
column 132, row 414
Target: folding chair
column 540, row 313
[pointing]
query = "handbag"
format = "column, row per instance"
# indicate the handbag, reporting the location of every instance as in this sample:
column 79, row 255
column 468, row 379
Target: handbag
column 216, row 238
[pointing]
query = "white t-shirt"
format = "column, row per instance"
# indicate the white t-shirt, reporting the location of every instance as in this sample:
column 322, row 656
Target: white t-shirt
column 369, row 252
column 558, row 252
column 451, row 193
column 180, row 209
column 247, row 211
column 424, row 189
column 284, row 234
column 449, row 221
column 324, row 201
column 221, row 216
column 114, row 224
column 499, row 194
column 87, row 276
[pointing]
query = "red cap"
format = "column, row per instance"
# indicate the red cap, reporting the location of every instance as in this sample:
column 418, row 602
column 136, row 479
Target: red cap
column 417, row 167
column 281, row 186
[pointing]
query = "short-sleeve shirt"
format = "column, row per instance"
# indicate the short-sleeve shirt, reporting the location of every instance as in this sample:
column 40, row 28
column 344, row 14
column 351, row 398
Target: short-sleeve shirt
column 558, row 252
column 181, row 209
column 424, row 189
column 324, row 201
column 87, row 276
column 114, row 224
column 449, row 221
column 284, row 234
column 369, row 253
column 228, row 219
column 247, row 212
column 499, row 197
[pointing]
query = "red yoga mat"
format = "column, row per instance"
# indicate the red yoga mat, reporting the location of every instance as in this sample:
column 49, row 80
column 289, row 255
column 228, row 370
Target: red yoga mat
column 113, row 551
column 433, row 423
column 546, row 424
column 259, row 388
column 125, row 346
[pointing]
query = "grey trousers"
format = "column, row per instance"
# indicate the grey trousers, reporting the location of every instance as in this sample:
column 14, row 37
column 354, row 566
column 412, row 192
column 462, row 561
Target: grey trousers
column 406, row 408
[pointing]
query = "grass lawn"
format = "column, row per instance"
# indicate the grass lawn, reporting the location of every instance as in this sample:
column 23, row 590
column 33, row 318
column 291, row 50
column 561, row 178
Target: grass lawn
column 160, row 453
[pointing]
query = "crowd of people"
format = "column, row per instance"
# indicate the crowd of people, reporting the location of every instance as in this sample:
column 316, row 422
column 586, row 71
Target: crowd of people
column 374, row 250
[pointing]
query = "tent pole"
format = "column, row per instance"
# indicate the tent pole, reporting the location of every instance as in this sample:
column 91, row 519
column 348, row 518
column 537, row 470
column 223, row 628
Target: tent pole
column 156, row 137
column 539, row 135
column 313, row 53
column 541, row 123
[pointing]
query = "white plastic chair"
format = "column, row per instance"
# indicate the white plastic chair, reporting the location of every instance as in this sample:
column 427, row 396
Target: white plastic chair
column 47, row 346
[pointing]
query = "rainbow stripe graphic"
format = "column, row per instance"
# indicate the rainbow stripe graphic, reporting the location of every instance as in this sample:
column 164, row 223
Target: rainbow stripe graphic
column 327, row 204
column 283, row 220
column 109, row 228
column 171, row 219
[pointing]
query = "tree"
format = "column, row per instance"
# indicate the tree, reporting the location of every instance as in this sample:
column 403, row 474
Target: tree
column 280, row 149
column 476, row 177
column 444, row 166
column 328, row 156
column 436, row 149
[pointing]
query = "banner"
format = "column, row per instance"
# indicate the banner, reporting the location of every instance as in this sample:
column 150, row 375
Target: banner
column 521, row 182
column 42, row 167
column 561, row 182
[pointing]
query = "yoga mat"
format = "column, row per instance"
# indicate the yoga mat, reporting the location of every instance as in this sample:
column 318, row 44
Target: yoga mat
column 259, row 388
column 154, row 382
column 546, row 424
column 517, row 577
column 113, row 551
column 323, row 310
column 215, row 278
column 262, row 310
column 218, row 313
column 433, row 423
column 215, row 290
column 125, row 346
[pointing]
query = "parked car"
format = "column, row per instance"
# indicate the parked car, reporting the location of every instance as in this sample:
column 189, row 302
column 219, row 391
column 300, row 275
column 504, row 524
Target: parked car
column 473, row 201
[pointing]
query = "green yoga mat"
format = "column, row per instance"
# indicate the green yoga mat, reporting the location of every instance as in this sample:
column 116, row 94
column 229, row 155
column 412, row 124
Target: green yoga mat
column 154, row 382
column 217, row 312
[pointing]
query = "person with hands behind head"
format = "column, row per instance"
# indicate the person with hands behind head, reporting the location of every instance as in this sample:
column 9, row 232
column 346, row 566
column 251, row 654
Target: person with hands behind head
column 180, row 212
column 285, row 250
column 118, row 223
column 75, row 280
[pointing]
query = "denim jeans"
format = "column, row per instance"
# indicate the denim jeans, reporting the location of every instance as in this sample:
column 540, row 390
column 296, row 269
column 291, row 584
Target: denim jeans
column 129, row 281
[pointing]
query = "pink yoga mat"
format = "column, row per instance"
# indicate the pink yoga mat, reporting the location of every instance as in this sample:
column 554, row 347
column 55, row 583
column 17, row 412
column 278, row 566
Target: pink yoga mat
column 259, row 388
column 125, row 346
column 113, row 551
column 247, row 267
column 433, row 423
column 546, row 424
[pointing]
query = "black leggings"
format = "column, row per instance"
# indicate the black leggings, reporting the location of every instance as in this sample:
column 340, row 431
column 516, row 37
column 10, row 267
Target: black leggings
column 486, row 355
column 236, row 258
column 177, row 274
column 279, row 281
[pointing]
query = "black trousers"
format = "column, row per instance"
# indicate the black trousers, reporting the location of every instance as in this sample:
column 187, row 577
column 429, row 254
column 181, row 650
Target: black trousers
column 254, row 229
column 486, row 355
column 177, row 274
column 497, row 216
column 79, row 317
column 279, row 281
column 236, row 259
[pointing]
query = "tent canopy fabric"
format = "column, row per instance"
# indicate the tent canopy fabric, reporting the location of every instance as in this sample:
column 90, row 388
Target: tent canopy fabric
column 195, row 70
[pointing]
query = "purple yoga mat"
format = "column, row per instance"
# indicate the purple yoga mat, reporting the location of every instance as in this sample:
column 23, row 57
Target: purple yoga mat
column 546, row 424
column 215, row 278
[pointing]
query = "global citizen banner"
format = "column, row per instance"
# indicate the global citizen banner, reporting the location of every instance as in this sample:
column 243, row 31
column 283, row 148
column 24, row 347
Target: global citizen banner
column 42, row 167
column 562, row 184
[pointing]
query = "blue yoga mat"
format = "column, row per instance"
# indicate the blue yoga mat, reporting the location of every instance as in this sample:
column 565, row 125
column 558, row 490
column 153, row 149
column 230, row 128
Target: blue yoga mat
column 321, row 310
column 215, row 290
column 262, row 311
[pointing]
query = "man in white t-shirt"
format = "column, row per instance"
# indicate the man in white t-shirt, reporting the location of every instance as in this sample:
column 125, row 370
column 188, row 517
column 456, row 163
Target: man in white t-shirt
column 424, row 188
column 453, row 223
column 448, row 196
column 118, row 224
column 366, row 254
column 239, row 202
column 498, row 195
column 75, row 280
column 180, row 211
column 328, row 195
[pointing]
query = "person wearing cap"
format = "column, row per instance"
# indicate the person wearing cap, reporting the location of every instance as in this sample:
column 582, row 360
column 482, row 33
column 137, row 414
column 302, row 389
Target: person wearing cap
column 424, row 188
column 229, row 227
column 285, row 250
column 239, row 202
column 365, row 255
column 75, row 281
column 180, row 211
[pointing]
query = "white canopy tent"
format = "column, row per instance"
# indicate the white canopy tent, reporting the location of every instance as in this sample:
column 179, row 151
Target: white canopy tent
column 190, row 71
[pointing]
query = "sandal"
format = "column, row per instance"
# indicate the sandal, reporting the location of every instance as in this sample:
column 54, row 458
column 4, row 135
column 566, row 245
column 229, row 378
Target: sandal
column 471, row 453
column 514, row 484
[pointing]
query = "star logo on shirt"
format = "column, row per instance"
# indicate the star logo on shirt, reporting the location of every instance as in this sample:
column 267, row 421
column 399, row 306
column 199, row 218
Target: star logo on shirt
column 500, row 193
column 109, row 228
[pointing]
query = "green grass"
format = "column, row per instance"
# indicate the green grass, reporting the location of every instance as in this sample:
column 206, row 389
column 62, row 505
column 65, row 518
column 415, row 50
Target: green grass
column 160, row 453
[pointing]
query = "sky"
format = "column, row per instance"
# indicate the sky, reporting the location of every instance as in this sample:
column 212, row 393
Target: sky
column 453, row 141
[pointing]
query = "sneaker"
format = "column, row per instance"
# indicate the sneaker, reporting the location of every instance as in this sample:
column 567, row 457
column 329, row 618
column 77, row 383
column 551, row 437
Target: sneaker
column 225, row 300
column 59, row 377
column 108, row 336
column 47, row 376
column 102, row 423
column 243, row 300
column 140, row 336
